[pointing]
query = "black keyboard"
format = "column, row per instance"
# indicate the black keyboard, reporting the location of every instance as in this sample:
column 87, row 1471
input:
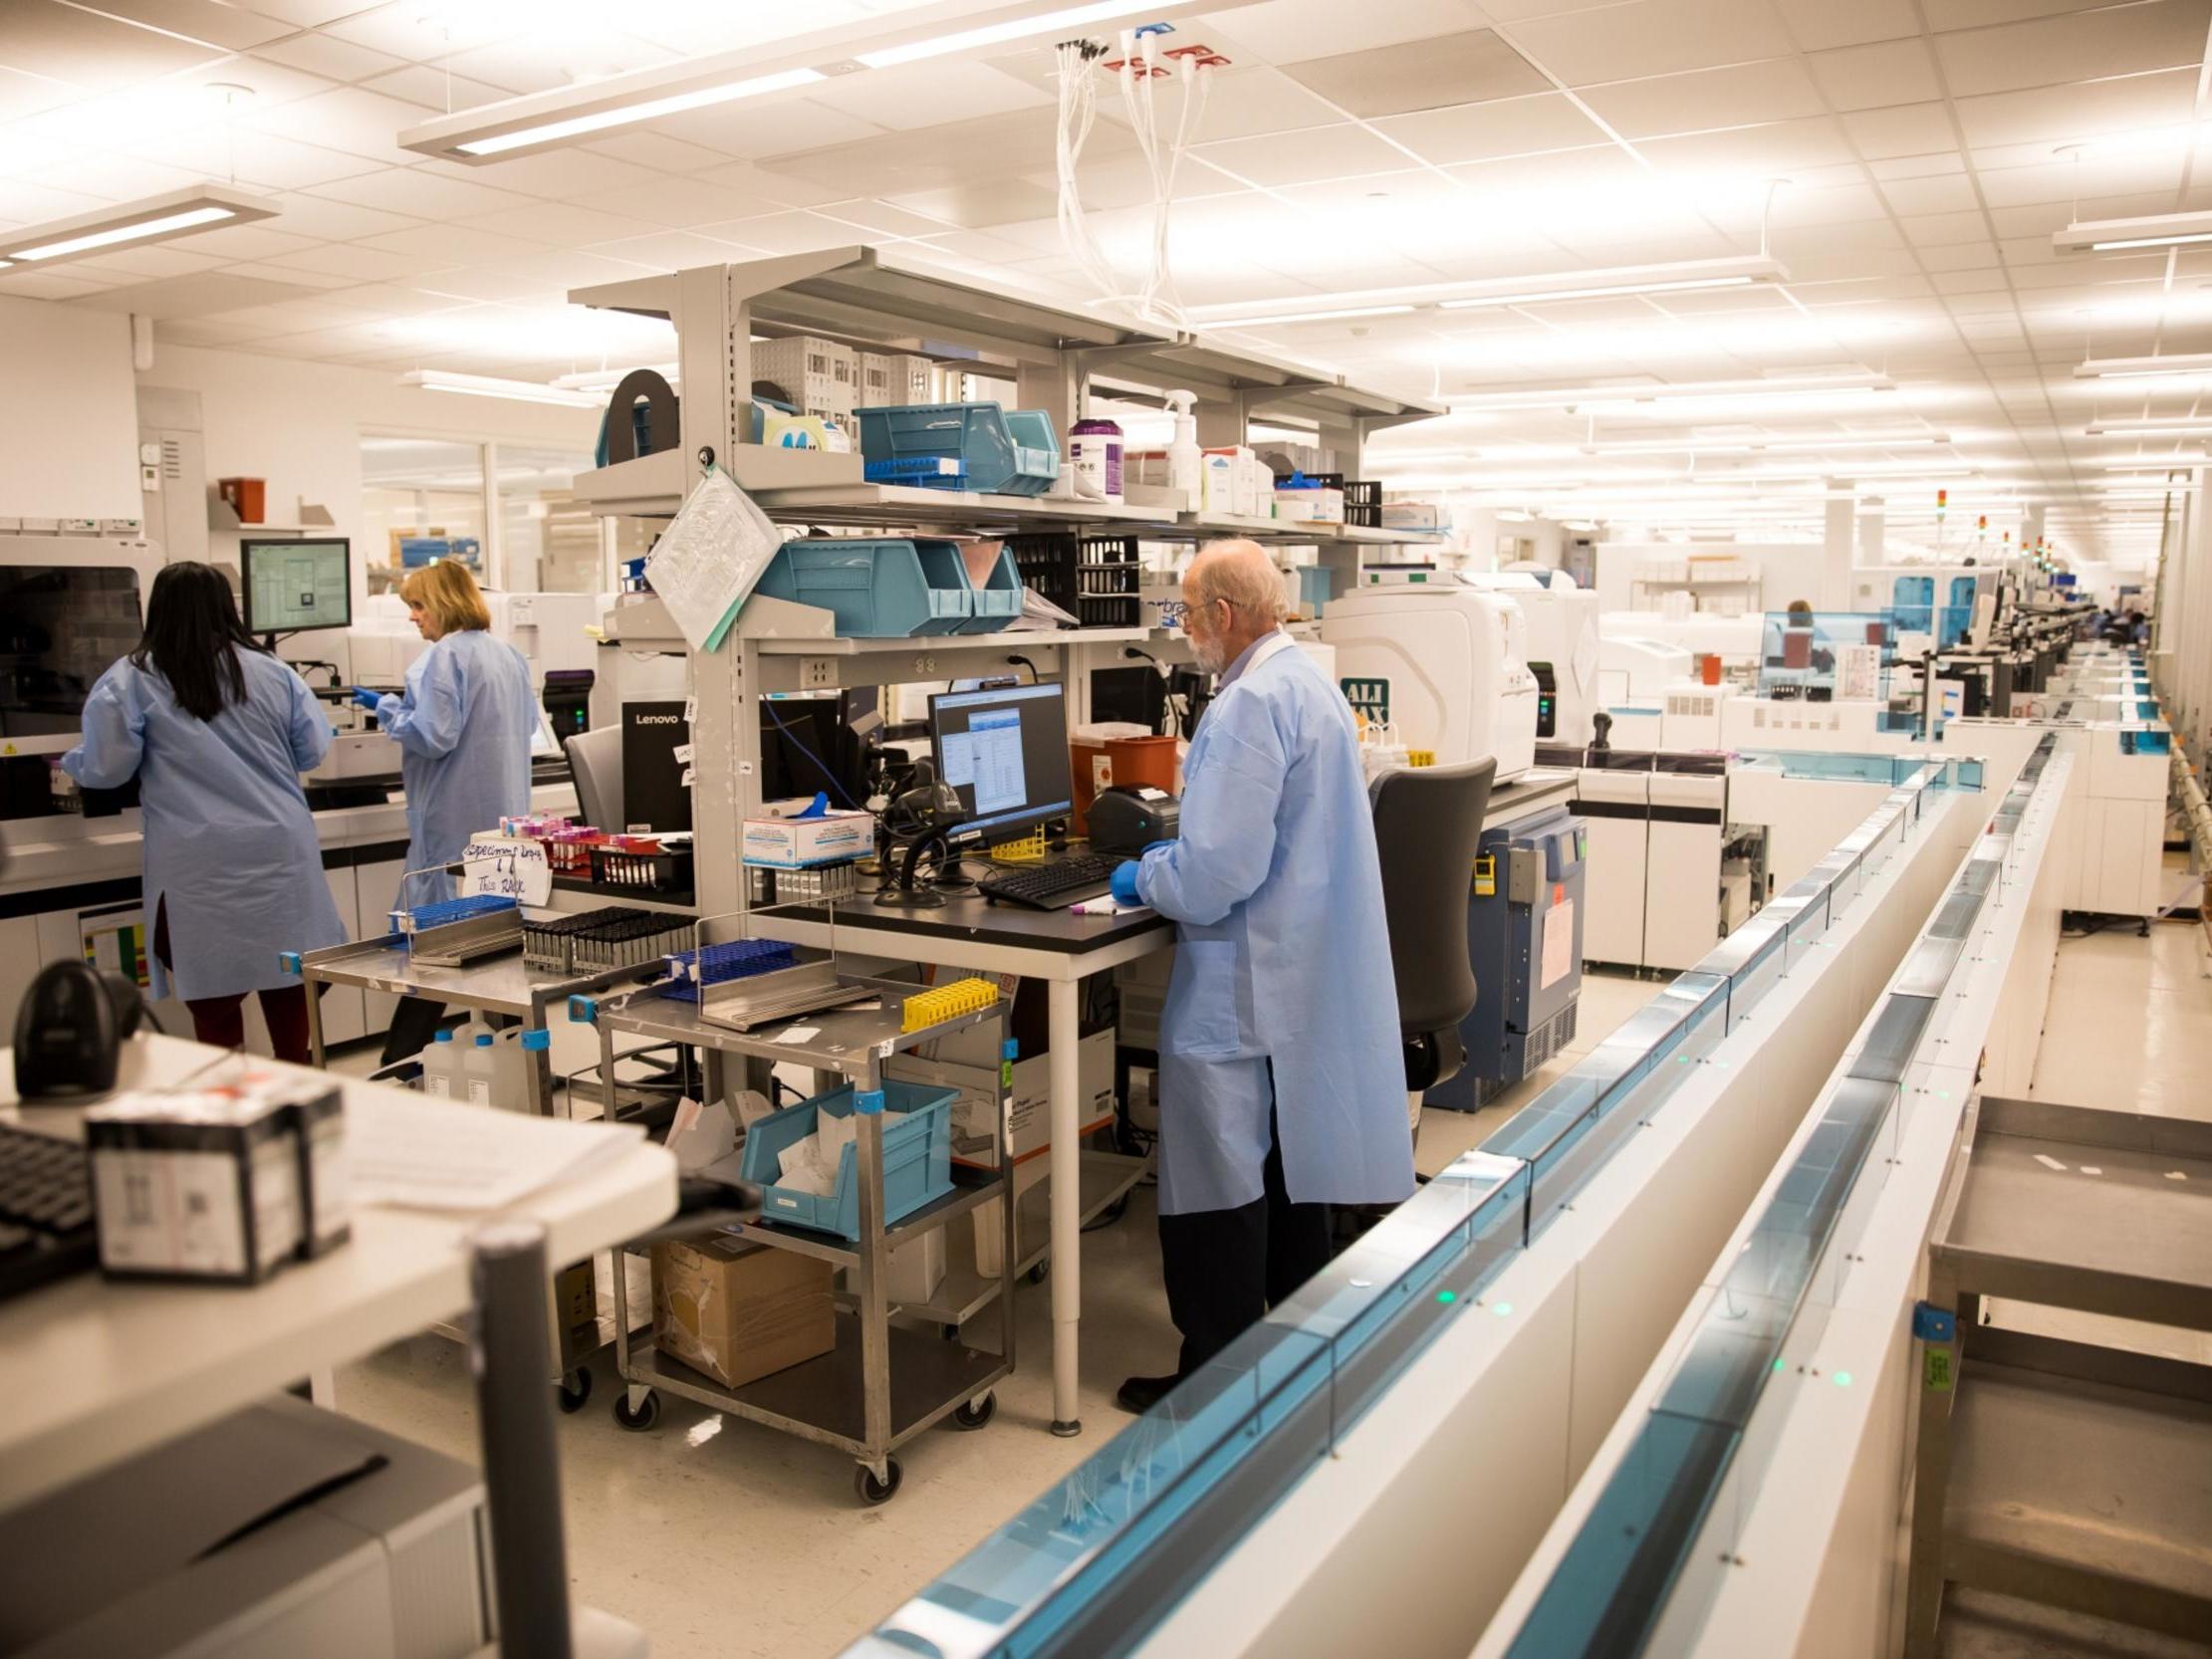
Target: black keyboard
column 46, row 1211
column 1056, row 885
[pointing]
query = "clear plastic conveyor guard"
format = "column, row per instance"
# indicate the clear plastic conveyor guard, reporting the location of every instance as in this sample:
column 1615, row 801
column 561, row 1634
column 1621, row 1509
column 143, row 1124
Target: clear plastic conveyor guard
column 1091, row 1567
column 1632, row 1570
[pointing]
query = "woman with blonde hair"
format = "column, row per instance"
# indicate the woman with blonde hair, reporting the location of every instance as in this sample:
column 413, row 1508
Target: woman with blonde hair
column 463, row 725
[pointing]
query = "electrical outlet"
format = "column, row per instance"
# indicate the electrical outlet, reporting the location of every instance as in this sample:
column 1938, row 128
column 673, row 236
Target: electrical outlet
column 818, row 674
column 925, row 667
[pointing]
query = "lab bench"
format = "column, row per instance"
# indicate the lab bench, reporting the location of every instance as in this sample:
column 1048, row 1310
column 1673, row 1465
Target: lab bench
column 882, row 1384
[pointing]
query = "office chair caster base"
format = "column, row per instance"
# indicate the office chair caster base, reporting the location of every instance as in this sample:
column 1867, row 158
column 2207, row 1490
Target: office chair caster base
column 974, row 1414
column 1040, row 1273
column 872, row 1491
column 647, row 1414
column 573, row 1391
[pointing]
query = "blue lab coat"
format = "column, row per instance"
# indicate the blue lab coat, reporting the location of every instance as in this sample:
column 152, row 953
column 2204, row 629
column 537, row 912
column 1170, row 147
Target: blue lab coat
column 230, row 846
column 1282, row 954
column 464, row 726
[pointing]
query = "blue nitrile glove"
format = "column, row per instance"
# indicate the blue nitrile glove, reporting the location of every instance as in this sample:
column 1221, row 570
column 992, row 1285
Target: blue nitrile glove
column 366, row 698
column 1123, row 885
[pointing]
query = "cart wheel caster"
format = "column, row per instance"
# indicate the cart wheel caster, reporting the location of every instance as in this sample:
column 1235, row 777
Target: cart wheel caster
column 872, row 1491
column 1040, row 1273
column 950, row 1332
column 974, row 1414
column 644, row 1418
column 574, row 1389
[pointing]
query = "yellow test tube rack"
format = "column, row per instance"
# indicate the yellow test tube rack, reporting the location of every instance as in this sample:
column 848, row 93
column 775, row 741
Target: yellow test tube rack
column 949, row 1001
column 1030, row 849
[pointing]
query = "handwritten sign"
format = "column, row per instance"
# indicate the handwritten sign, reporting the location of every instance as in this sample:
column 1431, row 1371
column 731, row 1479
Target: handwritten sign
column 507, row 866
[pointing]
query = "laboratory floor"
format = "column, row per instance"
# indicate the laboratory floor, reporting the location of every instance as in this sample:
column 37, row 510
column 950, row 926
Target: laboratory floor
column 725, row 1539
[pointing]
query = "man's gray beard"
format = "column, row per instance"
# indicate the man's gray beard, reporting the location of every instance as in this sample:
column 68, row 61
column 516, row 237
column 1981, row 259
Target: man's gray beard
column 1210, row 659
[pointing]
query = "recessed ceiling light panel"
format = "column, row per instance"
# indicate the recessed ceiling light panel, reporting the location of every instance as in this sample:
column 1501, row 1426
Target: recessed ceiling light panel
column 133, row 225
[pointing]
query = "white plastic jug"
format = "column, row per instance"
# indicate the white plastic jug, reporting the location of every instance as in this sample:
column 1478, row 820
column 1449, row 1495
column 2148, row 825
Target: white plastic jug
column 441, row 1062
column 479, row 1065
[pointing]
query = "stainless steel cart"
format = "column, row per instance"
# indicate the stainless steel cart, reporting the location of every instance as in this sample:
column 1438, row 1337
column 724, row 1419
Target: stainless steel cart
column 506, row 987
column 2064, row 1473
column 882, row 1384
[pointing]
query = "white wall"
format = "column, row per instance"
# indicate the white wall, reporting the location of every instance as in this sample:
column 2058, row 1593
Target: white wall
column 1786, row 570
column 299, row 426
column 68, row 425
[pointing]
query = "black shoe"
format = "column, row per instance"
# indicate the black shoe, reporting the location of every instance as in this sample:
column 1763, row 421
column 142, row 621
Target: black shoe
column 1140, row 1394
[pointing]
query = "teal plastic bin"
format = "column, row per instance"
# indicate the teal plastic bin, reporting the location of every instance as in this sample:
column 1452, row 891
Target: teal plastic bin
column 995, row 601
column 913, row 443
column 917, row 1158
column 888, row 588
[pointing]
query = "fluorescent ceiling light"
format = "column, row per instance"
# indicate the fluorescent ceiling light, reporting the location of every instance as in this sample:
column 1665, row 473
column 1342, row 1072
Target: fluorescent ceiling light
column 153, row 219
column 519, row 125
column 1680, row 278
column 1568, row 397
column 487, row 385
column 2119, row 369
column 2136, row 463
column 1312, row 316
column 2157, row 231
column 2173, row 427
column 992, row 34
column 550, row 132
column 1752, row 446
column 606, row 379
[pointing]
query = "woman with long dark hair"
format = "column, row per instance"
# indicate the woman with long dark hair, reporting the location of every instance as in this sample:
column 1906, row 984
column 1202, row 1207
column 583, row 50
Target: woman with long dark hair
column 217, row 731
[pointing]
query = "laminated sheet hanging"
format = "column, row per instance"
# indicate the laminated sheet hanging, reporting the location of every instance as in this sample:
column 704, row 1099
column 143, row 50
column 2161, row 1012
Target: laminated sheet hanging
column 709, row 558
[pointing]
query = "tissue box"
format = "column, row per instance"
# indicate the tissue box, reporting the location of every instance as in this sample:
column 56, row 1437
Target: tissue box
column 1412, row 515
column 798, row 842
column 740, row 1311
column 974, row 1133
column 220, row 1185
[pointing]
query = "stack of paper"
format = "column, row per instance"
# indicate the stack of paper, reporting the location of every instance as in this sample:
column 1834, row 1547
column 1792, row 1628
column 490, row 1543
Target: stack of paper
column 439, row 1155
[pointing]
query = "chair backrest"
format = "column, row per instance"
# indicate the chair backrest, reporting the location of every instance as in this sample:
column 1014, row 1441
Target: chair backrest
column 1427, row 827
column 595, row 763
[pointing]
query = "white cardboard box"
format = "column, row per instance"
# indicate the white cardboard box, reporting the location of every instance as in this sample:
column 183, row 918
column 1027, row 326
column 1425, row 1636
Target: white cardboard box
column 797, row 843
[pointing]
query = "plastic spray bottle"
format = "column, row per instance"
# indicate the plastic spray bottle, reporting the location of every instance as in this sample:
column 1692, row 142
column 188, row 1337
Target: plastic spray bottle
column 1183, row 459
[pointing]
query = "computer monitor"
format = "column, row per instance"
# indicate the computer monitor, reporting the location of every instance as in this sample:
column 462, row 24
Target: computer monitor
column 1004, row 751
column 292, row 585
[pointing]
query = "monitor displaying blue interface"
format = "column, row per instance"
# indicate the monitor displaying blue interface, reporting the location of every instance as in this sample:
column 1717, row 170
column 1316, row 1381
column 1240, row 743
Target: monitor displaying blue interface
column 291, row 586
column 1004, row 751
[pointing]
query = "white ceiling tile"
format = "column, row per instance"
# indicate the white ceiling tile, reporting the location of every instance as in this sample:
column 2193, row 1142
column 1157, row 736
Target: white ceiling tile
column 559, row 175
column 1790, row 243
column 2094, row 108
column 676, row 250
column 564, row 271
column 202, row 331
column 537, row 62
column 26, row 95
column 1907, row 130
column 1471, row 67
column 203, row 295
column 643, row 148
column 2055, row 51
column 327, row 56
column 243, row 242
column 1838, row 204
column 306, row 14
column 1503, row 127
column 1878, row 77
column 114, row 177
column 1290, row 24
column 291, row 275
column 926, row 94
column 988, row 202
column 345, row 118
column 351, row 260
column 559, row 226
column 786, row 127
column 233, row 28
column 2039, row 220
column 784, row 233
column 424, row 195
column 1295, row 157
column 677, row 202
column 260, row 159
column 883, row 218
column 1652, row 37
column 1918, row 166
column 85, row 49
column 780, row 182
column 1818, row 24
column 48, row 285
column 478, row 285
column 25, row 203
column 1930, row 230
column 1779, row 148
column 139, row 264
column 433, row 88
column 1701, row 100
column 1959, row 256
column 334, row 221
column 440, row 246
column 394, row 300
column 1951, row 193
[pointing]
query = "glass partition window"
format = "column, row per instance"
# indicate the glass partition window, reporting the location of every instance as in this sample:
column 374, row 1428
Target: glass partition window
column 421, row 499
column 549, row 542
column 1826, row 654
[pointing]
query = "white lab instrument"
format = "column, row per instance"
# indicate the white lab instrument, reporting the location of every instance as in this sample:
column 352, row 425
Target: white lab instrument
column 1451, row 662
column 1636, row 670
column 1562, row 649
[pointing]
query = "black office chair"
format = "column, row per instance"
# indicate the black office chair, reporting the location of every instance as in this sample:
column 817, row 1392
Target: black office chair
column 1427, row 828
column 595, row 766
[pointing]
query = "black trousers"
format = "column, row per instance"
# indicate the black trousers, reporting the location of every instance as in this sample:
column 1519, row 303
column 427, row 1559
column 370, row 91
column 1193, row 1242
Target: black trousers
column 1225, row 1268
column 414, row 1024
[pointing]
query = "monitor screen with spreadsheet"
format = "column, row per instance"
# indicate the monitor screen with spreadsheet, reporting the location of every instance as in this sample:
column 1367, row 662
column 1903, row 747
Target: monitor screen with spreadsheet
column 1004, row 751
column 292, row 586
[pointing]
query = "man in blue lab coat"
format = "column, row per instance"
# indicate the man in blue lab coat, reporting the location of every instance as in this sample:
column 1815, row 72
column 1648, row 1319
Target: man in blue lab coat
column 1282, row 1079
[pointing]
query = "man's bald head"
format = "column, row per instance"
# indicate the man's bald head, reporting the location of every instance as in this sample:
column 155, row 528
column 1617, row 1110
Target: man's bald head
column 1232, row 595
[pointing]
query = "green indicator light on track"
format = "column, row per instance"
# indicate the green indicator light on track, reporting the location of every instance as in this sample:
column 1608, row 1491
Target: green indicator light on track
column 1447, row 1295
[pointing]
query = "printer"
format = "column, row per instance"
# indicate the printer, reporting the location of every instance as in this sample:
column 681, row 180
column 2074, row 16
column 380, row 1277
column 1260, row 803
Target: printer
column 1443, row 662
